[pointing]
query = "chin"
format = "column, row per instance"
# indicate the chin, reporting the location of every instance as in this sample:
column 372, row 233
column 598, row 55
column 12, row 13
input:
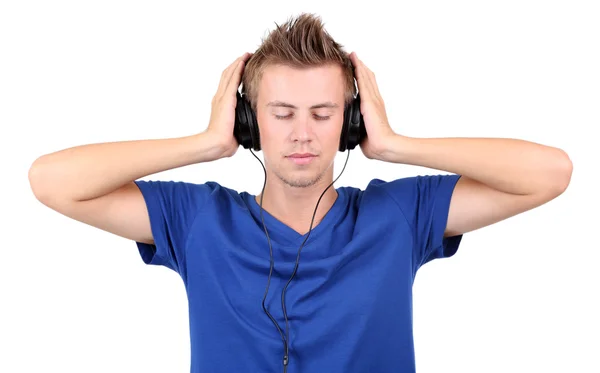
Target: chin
column 301, row 182
column 300, row 178
column 298, row 175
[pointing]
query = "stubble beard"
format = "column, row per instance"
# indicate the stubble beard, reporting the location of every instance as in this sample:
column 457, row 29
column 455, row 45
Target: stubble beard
column 299, row 181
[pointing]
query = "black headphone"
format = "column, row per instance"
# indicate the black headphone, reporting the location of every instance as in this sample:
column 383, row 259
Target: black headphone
column 246, row 132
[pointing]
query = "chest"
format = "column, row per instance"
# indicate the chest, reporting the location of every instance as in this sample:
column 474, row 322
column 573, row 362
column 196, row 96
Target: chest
column 363, row 281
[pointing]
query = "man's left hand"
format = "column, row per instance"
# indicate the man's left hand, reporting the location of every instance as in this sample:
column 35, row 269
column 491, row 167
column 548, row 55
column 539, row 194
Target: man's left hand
column 372, row 107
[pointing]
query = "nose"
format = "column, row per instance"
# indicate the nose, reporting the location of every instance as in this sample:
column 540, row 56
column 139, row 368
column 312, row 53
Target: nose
column 301, row 129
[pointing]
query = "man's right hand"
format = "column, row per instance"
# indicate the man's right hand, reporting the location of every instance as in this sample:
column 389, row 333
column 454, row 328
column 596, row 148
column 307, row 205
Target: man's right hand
column 222, row 117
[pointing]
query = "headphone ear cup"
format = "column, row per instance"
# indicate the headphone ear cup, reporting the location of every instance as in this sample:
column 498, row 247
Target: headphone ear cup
column 245, row 128
column 253, row 124
column 344, row 133
column 353, row 129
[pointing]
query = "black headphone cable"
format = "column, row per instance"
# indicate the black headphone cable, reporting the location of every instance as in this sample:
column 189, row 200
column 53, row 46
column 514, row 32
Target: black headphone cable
column 285, row 340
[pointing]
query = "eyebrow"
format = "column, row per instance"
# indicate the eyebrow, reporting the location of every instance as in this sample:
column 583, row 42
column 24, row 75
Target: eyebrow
column 327, row 104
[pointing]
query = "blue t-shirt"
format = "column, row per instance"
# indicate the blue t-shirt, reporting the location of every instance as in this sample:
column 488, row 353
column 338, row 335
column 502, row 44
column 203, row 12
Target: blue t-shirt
column 349, row 305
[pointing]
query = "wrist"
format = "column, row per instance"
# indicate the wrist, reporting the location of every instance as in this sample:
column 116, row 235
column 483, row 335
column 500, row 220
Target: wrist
column 206, row 146
column 397, row 149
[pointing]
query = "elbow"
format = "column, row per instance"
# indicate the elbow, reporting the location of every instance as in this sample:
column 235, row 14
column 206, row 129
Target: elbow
column 36, row 183
column 33, row 176
column 563, row 173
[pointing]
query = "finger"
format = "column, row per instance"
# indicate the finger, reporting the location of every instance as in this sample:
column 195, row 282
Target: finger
column 226, row 76
column 363, row 79
column 236, row 75
column 373, row 84
column 359, row 75
column 373, row 81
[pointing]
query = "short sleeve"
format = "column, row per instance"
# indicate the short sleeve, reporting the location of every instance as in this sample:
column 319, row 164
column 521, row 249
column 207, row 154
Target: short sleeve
column 172, row 207
column 425, row 203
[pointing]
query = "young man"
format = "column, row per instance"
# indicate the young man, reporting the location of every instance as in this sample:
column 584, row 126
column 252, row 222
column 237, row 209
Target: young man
column 348, row 307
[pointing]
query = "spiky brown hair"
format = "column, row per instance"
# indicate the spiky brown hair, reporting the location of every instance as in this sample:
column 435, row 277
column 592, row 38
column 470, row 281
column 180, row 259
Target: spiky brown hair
column 300, row 42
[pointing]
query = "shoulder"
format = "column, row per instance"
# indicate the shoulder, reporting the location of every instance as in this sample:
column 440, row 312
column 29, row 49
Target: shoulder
column 177, row 187
column 419, row 187
column 413, row 182
column 184, row 195
column 412, row 194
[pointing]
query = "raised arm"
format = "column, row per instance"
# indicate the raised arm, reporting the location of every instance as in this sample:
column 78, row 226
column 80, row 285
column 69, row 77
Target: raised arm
column 94, row 183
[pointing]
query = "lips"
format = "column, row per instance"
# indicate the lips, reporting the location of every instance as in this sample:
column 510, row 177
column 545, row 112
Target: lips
column 301, row 155
column 302, row 158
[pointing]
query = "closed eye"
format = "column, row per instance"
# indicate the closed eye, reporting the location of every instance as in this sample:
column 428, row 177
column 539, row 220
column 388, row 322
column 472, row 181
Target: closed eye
column 282, row 117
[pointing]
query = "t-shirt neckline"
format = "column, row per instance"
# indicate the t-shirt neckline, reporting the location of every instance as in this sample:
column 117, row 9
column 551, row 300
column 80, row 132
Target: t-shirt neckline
column 287, row 236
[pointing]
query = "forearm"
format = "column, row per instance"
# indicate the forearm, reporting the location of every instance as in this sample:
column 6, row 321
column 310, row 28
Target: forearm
column 509, row 165
column 89, row 171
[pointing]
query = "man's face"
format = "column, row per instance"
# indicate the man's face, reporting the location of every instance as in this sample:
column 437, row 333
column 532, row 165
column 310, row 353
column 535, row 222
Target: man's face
column 300, row 111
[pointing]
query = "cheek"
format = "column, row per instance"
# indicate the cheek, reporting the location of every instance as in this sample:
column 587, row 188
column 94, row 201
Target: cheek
column 265, row 127
column 333, row 133
column 271, row 133
column 272, row 138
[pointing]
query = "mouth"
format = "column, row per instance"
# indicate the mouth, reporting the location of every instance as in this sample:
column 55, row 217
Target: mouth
column 301, row 158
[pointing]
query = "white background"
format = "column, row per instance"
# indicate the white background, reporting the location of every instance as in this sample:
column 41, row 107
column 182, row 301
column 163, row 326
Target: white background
column 519, row 296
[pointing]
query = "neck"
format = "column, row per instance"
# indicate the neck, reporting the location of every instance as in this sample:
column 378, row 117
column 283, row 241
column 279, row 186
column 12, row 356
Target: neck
column 295, row 206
